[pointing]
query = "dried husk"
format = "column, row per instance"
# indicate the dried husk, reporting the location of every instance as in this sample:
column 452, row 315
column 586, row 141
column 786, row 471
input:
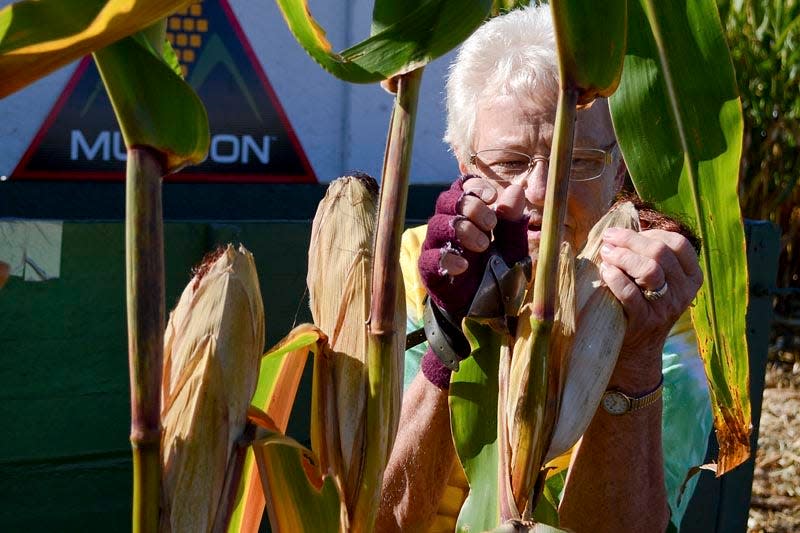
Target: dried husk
column 339, row 284
column 212, row 346
column 529, row 430
column 600, row 329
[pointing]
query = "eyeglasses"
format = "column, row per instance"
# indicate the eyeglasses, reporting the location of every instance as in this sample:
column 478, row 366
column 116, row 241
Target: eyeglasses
column 508, row 165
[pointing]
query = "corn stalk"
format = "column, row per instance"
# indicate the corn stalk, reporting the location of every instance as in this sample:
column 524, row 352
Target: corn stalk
column 356, row 388
column 383, row 376
column 583, row 77
column 165, row 127
column 144, row 266
column 538, row 403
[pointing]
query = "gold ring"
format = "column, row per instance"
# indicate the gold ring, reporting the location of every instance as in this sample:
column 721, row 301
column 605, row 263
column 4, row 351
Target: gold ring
column 652, row 296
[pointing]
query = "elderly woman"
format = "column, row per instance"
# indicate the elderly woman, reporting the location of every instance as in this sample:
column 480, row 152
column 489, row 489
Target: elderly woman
column 501, row 102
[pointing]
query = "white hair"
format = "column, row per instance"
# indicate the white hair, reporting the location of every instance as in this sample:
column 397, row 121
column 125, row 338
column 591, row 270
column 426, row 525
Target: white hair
column 511, row 55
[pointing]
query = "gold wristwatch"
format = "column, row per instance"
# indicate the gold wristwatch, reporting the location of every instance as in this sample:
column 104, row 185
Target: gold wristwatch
column 616, row 402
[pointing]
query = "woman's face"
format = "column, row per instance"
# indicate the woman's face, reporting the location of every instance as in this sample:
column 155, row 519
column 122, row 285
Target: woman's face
column 504, row 123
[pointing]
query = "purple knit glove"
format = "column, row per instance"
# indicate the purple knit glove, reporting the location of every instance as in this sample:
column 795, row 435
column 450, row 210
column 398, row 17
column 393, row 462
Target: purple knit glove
column 454, row 294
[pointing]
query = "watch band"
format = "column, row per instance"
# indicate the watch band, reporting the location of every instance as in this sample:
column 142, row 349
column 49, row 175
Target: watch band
column 647, row 399
column 632, row 403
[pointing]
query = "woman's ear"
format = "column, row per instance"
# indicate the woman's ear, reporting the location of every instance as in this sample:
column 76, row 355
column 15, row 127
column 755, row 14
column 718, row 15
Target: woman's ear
column 462, row 166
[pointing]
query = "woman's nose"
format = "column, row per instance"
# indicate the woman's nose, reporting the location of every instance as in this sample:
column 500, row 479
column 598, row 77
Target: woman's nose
column 535, row 183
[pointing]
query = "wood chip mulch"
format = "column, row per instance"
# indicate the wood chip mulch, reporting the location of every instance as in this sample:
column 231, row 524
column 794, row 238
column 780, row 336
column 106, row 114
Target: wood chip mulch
column 775, row 504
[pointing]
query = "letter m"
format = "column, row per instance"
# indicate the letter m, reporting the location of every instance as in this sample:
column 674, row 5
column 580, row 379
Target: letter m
column 79, row 142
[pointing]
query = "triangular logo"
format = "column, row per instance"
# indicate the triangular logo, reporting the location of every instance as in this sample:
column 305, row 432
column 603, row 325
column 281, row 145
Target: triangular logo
column 251, row 138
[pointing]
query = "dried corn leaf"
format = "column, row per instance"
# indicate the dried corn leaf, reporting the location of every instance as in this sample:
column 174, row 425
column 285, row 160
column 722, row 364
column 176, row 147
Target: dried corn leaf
column 279, row 375
column 212, row 345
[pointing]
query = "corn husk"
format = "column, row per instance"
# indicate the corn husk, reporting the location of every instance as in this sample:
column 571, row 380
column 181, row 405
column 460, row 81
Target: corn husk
column 339, row 284
column 600, row 329
column 531, row 422
column 212, row 346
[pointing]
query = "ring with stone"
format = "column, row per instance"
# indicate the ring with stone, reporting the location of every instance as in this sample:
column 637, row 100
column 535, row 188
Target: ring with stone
column 652, row 296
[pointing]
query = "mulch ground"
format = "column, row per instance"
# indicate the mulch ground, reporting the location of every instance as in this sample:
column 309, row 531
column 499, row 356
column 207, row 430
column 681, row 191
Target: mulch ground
column 775, row 504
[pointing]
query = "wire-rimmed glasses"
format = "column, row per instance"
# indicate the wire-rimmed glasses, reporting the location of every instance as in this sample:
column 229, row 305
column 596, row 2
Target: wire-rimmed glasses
column 506, row 166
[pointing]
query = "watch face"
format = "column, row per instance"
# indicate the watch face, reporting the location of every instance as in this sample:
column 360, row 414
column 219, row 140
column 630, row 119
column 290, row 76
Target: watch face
column 616, row 403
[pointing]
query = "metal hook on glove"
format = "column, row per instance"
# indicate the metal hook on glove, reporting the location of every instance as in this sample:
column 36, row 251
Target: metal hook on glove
column 497, row 300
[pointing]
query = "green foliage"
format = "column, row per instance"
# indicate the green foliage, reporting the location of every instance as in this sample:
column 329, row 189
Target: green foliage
column 678, row 76
column 40, row 36
column 546, row 511
column 290, row 474
column 504, row 6
column 405, row 36
column 473, row 401
column 764, row 38
column 590, row 45
column 154, row 106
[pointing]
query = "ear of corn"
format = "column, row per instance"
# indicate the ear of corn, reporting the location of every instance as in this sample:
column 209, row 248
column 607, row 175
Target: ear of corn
column 601, row 326
column 212, row 344
column 339, row 282
column 339, row 274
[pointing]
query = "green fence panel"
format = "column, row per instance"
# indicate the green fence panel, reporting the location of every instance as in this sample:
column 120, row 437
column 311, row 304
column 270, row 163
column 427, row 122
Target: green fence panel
column 720, row 505
column 64, row 394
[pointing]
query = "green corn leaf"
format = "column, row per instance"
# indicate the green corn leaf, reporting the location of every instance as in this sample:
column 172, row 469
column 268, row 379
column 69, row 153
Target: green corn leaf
column 473, row 420
column 504, row 6
column 403, row 39
column 171, row 58
column 679, row 122
column 300, row 493
column 40, row 36
column 279, row 376
column 547, row 508
column 154, row 106
column 282, row 364
column 590, row 38
column 299, row 497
